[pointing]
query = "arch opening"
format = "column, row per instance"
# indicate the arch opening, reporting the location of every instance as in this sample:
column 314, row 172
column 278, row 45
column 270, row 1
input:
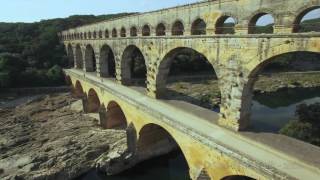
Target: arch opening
column 90, row 59
column 282, row 93
column 133, row 31
column 100, row 34
column 156, row 141
column 107, row 62
column 186, row 75
column 93, row 104
column 89, row 35
column 114, row 33
column 79, row 57
column 308, row 21
column 123, row 32
column 70, row 56
column 133, row 67
column 161, row 30
column 237, row 177
column 146, row 30
column 225, row 25
column 261, row 23
column 177, row 29
column 78, row 90
column 114, row 118
column 106, row 34
column 199, row 27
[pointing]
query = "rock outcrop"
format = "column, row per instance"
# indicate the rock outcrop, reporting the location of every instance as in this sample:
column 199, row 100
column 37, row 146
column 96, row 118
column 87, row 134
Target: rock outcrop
column 51, row 138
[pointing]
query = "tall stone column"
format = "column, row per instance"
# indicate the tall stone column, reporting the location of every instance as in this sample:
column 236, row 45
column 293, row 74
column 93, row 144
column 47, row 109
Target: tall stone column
column 236, row 97
column 83, row 51
column 131, row 138
column 85, row 103
column 187, row 30
column 98, row 63
column 156, row 80
column 117, row 60
column 76, row 66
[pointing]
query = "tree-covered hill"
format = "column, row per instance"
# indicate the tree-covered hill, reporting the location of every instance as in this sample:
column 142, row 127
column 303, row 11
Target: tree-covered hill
column 31, row 54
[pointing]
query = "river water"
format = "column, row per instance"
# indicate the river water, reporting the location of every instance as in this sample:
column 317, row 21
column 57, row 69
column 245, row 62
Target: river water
column 272, row 111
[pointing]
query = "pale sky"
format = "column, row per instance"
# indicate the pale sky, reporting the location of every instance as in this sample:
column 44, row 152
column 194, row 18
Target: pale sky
column 35, row 10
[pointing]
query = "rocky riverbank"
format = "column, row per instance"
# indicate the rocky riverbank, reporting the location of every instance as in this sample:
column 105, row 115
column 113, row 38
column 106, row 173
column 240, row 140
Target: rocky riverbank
column 51, row 138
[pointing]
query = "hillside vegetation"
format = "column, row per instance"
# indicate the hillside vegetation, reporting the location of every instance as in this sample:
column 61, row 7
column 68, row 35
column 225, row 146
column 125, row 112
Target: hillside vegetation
column 31, row 54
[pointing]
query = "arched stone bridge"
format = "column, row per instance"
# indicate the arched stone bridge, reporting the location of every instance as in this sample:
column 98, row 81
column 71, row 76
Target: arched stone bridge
column 210, row 149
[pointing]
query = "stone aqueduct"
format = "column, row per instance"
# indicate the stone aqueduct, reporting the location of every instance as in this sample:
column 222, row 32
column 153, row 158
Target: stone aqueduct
column 236, row 58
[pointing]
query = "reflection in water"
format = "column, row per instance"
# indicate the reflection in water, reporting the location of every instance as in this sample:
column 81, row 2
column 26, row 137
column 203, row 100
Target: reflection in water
column 270, row 112
column 168, row 167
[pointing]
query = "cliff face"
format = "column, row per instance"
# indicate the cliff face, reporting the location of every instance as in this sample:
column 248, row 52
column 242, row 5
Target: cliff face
column 50, row 138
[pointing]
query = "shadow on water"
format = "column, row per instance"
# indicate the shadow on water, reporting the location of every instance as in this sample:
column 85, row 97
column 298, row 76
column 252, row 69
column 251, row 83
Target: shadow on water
column 172, row 166
column 272, row 111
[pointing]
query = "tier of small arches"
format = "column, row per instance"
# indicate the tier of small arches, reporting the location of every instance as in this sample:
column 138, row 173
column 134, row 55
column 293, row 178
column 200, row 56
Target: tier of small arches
column 226, row 24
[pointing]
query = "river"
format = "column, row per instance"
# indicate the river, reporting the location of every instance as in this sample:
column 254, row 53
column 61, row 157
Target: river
column 272, row 111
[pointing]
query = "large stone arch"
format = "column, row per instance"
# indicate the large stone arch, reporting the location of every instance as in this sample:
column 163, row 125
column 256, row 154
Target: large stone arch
column 163, row 68
column 129, row 56
column 70, row 56
column 78, row 90
column 237, row 77
column 288, row 46
column 79, row 57
column 247, row 91
column 107, row 62
column 93, row 102
column 154, row 140
column 90, row 59
column 114, row 117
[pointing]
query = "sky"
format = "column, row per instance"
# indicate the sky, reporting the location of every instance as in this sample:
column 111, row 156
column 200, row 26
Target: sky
column 36, row 10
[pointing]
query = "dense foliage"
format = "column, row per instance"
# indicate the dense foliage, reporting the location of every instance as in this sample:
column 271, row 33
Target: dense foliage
column 307, row 127
column 31, row 54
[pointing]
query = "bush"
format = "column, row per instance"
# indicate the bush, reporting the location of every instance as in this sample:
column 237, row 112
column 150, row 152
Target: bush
column 5, row 80
column 299, row 130
column 55, row 75
column 307, row 128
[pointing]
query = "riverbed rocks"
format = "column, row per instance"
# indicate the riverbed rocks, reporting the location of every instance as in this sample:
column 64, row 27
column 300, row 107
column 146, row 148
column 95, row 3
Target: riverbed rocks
column 51, row 138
